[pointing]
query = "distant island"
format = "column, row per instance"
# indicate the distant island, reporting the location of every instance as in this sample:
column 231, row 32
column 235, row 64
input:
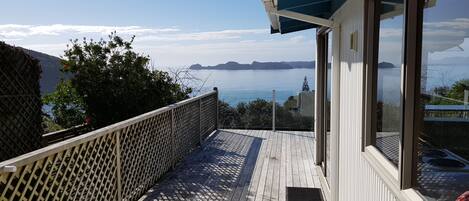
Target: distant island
column 284, row 65
column 386, row 65
column 257, row 66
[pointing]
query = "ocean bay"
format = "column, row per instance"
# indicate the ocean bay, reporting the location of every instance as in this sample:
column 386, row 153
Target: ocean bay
column 237, row 86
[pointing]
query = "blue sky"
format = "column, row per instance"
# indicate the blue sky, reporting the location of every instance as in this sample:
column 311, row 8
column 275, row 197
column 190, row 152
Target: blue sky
column 173, row 33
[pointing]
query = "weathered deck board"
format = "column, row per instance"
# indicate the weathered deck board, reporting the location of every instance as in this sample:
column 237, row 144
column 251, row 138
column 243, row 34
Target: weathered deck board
column 242, row 165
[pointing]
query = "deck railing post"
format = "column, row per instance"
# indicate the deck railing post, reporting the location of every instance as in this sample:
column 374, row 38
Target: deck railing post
column 200, row 122
column 118, row 165
column 173, row 136
column 273, row 110
column 217, row 107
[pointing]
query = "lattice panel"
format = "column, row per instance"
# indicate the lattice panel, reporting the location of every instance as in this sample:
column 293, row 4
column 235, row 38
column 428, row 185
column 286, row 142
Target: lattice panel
column 136, row 153
column 187, row 129
column 209, row 115
column 20, row 103
column 146, row 150
column 83, row 172
column 19, row 122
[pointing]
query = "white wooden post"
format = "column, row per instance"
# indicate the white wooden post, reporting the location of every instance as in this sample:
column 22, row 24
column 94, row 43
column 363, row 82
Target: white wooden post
column 8, row 168
column 216, row 120
column 273, row 110
column 118, row 166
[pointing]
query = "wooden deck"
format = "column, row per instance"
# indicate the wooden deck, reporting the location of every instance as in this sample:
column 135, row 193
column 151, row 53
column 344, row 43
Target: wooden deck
column 242, row 165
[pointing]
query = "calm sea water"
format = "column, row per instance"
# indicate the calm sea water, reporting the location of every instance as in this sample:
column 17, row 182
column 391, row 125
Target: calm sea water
column 247, row 85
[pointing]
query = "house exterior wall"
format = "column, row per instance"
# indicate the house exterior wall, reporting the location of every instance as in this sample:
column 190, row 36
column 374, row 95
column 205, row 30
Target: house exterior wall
column 355, row 178
column 306, row 103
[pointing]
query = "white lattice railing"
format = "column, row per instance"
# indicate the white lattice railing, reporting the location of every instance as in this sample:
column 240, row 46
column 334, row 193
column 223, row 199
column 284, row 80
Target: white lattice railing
column 118, row 162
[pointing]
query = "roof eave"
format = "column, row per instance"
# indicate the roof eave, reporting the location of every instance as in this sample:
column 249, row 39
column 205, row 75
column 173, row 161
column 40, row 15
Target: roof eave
column 270, row 8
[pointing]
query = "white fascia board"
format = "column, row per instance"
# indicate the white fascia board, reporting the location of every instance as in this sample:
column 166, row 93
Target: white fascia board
column 304, row 18
column 270, row 7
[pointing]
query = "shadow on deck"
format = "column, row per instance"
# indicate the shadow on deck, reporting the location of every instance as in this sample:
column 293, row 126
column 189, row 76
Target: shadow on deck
column 241, row 165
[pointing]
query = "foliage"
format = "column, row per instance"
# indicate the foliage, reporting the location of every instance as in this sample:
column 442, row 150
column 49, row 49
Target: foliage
column 257, row 114
column 290, row 103
column 67, row 105
column 114, row 82
column 457, row 90
column 187, row 80
column 454, row 95
column 229, row 116
column 49, row 125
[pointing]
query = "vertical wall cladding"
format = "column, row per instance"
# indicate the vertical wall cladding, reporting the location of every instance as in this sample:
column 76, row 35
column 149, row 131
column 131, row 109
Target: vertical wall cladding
column 357, row 179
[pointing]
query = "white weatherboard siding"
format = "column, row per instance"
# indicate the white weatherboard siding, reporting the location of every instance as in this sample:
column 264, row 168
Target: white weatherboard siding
column 358, row 181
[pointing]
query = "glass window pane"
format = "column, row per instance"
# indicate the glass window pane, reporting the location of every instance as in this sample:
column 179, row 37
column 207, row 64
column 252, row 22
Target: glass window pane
column 390, row 53
column 443, row 165
column 327, row 108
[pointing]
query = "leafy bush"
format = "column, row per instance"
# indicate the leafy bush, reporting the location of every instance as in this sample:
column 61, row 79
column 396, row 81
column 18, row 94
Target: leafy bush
column 454, row 95
column 257, row 114
column 50, row 126
column 67, row 105
column 112, row 82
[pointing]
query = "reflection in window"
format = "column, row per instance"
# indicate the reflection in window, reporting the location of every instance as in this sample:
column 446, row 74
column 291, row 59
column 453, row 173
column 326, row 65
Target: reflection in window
column 389, row 79
column 443, row 165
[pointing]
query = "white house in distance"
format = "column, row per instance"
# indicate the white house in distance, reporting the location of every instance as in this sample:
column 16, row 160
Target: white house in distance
column 394, row 127
column 305, row 100
column 305, row 103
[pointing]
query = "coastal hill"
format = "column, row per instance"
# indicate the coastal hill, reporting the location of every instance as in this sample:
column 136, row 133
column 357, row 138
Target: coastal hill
column 256, row 66
column 51, row 74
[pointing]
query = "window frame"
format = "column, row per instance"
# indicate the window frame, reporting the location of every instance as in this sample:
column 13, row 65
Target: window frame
column 370, row 58
column 416, row 112
column 412, row 112
column 322, row 39
column 404, row 176
column 319, row 118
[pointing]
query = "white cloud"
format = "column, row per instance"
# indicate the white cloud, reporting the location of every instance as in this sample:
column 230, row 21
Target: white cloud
column 200, row 36
column 211, row 52
column 54, row 49
column 17, row 30
column 458, row 23
column 9, row 31
column 297, row 39
column 171, row 46
column 220, row 52
column 4, row 39
column 390, row 32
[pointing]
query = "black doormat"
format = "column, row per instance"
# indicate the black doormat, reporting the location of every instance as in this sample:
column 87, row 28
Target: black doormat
column 304, row 194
